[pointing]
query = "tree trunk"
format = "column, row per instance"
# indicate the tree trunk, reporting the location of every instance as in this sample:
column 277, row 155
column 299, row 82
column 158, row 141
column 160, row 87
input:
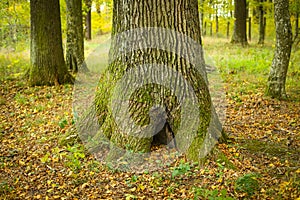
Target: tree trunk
column 201, row 15
column 152, row 104
column 217, row 21
column 261, row 39
column 88, row 20
column 296, row 25
column 75, row 41
column 249, row 28
column 228, row 29
column 46, row 54
column 205, row 27
column 240, row 24
column 279, row 68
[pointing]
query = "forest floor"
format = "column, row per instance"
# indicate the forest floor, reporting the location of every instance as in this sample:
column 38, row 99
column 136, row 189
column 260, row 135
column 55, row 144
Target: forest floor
column 260, row 161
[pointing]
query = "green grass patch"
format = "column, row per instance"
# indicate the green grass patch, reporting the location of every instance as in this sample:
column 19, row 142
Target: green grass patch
column 247, row 69
column 13, row 65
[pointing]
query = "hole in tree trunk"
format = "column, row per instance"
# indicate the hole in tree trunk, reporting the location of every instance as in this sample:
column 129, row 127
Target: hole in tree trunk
column 164, row 137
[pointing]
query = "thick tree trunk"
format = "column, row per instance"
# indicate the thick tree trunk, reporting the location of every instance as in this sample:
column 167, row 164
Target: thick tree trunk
column 75, row 41
column 240, row 24
column 261, row 39
column 47, row 62
column 88, row 20
column 279, row 68
column 181, row 16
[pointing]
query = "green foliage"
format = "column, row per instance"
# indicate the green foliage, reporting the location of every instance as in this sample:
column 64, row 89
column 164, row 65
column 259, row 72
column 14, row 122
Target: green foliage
column 202, row 193
column 248, row 184
column 102, row 19
column 182, row 169
column 4, row 187
column 20, row 99
column 14, row 23
column 62, row 123
column 45, row 158
column 74, row 157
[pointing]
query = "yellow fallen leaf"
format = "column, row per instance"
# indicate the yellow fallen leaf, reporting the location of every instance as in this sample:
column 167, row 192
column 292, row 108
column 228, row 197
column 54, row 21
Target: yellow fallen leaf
column 84, row 185
column 141, row 187
column 21, row 162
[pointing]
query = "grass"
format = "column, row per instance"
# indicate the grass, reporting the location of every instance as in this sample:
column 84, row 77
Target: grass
column 247, row 68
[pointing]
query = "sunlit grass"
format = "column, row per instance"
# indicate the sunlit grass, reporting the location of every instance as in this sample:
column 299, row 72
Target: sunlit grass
column 13, row 64
column 247, row 69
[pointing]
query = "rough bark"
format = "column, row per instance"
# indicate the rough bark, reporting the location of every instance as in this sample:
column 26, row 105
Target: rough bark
column 181, row 16
column 240, row 24
column 75, row 41
column 279, row 68
column 47, row 62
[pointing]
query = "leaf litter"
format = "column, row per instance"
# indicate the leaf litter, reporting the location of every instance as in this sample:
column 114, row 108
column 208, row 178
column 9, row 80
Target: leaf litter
column 260, row 161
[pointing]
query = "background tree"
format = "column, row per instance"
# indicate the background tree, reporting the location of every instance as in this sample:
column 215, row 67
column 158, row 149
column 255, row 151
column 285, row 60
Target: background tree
column 88, row 19
column 240, row 26
column 46, row 54
column 75, row 40
column 295, row 10
column 130, row 15
column 262, row 25
column 279, row 68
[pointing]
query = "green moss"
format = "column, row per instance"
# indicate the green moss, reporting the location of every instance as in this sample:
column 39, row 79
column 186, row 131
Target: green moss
column 223, row 159
column 193, row 151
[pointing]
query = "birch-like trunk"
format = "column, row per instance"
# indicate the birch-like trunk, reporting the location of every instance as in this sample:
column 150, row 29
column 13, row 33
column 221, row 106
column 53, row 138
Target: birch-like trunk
column 279, row 68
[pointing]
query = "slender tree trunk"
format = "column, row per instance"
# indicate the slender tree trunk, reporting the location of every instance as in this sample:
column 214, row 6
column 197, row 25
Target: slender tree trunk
column 279, row 68
column 46, row 54
column 228, row 29
column 249, row 28
column 217, row 21
column 201, row 15
column 240, row 24
column 296, row 25
column 88, row 20
column 261, row 39
column 178, row 15
column 75, row 40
